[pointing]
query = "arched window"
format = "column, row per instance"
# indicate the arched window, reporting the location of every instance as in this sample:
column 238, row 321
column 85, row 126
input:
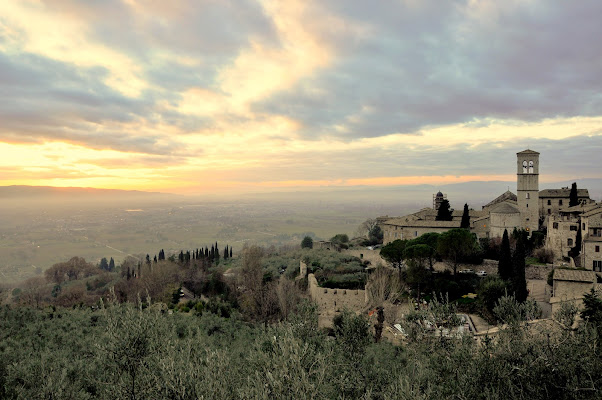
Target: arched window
column 524, row 167
column 569, row 242
column 530, row 167
column 527, row 196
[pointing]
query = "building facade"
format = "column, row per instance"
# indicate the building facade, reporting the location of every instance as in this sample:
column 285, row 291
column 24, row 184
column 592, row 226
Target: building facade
column 527, row 189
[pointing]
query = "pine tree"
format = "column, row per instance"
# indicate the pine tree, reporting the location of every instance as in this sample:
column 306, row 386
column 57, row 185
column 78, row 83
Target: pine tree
column 504, row 267
column 465, row 224
column 573, row 197
column 444, row 212
column 519, row 282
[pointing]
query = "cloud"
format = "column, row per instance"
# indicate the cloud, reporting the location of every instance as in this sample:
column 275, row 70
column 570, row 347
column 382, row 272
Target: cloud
column 426, row 64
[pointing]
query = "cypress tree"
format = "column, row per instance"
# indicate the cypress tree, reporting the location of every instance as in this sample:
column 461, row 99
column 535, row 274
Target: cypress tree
column 155, row 259
column 230, row 252
column 129, row 275
column 206, row 252
column 576, row 250
column 444, row 212
column 519, row 282
column 573, row 197
column 504, row 267
column 465, row 224
column 111, row 264
column 104, row 264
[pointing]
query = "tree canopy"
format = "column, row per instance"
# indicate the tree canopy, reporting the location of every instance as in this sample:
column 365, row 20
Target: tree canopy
column 454, row 245
column 307, row 243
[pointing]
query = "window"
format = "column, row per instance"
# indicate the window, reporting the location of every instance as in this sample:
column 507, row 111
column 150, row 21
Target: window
column 530, row 167
column 597, row 265
column 549, row 202
column 569, row 242
column 415, row 233
column 555, row 225
column 527, row 196
column 559, row 202
column 524, row 167
column 527, row 205
column 583, row 226
column 549, row 211
column 597, row 249
column 573, row 228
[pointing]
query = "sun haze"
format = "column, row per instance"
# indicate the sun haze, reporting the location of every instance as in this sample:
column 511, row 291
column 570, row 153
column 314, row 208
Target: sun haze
column 208, row 97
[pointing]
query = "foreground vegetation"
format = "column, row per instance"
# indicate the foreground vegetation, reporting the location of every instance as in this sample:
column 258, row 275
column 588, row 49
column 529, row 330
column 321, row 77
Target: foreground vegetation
column 129, row 351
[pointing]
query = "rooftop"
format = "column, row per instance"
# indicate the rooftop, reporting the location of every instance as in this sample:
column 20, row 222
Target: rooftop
column 574, row 275
column 528, row 151
column 505, row 208
column 507, row 195
column 564, row 192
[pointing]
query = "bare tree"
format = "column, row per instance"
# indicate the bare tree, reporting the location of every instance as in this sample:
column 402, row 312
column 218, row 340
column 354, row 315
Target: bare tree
column 384, row 284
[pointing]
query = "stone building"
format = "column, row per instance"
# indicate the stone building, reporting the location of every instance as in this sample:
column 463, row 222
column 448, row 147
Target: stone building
column 570, row 285
column 524, row 210
column 551, row 201
column 591, row 225
column 527, row 189
column 504, row 216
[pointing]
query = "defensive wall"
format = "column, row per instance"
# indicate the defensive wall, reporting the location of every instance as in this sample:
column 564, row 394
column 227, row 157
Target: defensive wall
column 335, row 300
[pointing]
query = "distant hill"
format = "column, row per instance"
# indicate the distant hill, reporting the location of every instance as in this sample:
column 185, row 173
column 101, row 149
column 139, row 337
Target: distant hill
column 63, row 194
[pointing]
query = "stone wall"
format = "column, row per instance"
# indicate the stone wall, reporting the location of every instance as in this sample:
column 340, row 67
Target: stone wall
column 335, row 300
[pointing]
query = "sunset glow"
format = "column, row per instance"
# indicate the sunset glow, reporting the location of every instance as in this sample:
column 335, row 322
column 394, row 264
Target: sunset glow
column 209, row 97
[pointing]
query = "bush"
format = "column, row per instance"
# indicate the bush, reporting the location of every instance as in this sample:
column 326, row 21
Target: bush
column 543, row 255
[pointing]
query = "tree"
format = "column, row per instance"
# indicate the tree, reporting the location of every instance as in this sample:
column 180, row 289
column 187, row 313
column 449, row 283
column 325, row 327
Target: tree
column 393, row 253
column 465, row 224
column 519, row 282
column 430, row 239
column 376, row 235
column 111, row 264
column 307, row 243
column 592, row 309
column 444, row 212
column 454, row 245
column 384, row 285
column 367, row 226
column 504, row 267
column 104, row 264
column 574, row 251
column 573, row 197
column 340, row 238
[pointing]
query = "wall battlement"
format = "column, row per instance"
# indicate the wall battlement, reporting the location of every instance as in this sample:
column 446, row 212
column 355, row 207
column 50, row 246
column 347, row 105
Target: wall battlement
column 335, row 300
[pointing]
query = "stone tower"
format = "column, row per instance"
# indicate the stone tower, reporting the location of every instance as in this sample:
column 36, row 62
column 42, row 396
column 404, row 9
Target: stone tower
column 527, row 189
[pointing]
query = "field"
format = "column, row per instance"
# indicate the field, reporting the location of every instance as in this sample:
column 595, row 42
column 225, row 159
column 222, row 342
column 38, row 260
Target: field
column 36, row 235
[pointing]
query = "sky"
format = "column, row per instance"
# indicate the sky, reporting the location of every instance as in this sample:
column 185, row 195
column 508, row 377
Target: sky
column 212, row 96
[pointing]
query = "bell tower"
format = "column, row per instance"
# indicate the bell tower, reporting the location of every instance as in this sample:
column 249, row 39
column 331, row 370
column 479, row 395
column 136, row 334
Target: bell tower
column 527, row 189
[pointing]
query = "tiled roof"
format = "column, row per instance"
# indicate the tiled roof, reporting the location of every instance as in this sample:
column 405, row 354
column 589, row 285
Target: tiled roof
column 422, row 223
column 507, row 195
column 505, row 208
column 574, row 275
column 582, row 193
